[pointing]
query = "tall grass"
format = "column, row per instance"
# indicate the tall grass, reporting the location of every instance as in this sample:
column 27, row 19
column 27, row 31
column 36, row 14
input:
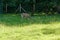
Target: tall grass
column 13, row 19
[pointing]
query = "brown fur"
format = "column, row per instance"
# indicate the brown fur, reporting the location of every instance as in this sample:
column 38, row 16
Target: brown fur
column 25, row 15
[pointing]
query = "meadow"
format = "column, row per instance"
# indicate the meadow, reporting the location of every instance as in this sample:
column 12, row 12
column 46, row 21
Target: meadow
column 43, row 27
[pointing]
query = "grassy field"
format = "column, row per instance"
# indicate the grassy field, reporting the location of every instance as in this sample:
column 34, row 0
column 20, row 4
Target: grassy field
column 13, row 27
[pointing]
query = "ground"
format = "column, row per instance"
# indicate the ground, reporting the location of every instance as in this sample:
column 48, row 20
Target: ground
column 44, row 27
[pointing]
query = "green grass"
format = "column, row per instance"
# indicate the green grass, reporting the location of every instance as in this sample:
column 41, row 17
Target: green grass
column 13, row 27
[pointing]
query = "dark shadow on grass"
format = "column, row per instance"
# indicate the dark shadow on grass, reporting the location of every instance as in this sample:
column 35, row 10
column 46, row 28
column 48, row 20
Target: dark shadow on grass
column 47, row 31
column 13, row 19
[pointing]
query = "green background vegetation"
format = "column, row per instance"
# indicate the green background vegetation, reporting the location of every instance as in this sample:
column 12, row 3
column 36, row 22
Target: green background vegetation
column 40, row 5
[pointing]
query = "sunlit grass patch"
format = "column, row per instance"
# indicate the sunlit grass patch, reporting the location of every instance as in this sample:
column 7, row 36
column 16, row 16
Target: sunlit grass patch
column 30, row 32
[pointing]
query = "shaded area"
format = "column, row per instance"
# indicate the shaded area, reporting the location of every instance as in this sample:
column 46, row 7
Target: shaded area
column 14, row 19
column 47, row 31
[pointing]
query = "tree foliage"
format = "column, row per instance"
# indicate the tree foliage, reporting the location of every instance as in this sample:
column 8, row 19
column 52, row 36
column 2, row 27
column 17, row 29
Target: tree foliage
column 40, row 5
